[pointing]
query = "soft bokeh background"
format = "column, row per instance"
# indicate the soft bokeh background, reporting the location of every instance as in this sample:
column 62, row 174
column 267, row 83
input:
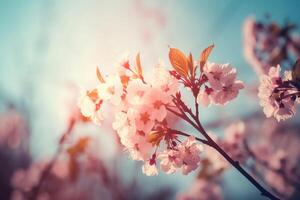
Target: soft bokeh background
column 48, row 48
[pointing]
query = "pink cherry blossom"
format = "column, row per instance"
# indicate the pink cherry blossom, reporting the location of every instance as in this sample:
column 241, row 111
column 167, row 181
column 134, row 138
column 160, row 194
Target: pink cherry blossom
column 121, row 120
column 164, row 81
column 277, row 181
column 203, row 98
column 186, row 157
column 233, row 143
column 111, row 90
column 229, row 92
column 217, row 74
column 136, row 90
column 139, row 148
column 149, row 169
column 25, row 179
column 13, row 129
column 135, row 141
column 235, row 132
column 249, row 37
column 202, row 189
column 90, row 106
column 190, row 151
column 157, row 100
column 170, row 161
column 274, row 103
column 223, row 84
column 142, row 118
column 267, row 43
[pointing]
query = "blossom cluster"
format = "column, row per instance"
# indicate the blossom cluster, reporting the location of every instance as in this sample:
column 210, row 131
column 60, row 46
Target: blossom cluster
column 207, row 185
column 70, row 174
column 266, row 43
column 278, row 95
column 24, row 180
column 220, row 84
column 143, row 108
column 249, row 144
column 141, row 119
column 59, row 182
column 274, row 148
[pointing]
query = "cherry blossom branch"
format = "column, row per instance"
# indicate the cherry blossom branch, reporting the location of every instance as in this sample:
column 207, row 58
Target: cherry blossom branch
column 197, row 109
column 47, row 170
column 220, row 86
column 236, row 164
column 197, row 125
column 256, row 174
column 182, row 115
column 188, row 135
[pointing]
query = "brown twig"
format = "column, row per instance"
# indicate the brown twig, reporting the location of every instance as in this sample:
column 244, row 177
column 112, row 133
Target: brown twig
column 47, row 170
column 197, row 125
column 187, row 135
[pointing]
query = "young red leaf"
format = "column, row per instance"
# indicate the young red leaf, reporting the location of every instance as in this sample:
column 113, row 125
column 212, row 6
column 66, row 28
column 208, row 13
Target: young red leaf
column 100, row 77
column 124, row 80
column 179, row 61
column 204, row 56
column 138, row 65
column 191, row 64
column 79, row 147
column 74, row 151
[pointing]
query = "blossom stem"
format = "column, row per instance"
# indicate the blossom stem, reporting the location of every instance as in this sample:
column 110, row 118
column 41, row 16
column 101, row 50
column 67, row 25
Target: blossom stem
column 197, row 108
column 183, row 116
column 212, row 143
column 187, row 135
column 236, row 164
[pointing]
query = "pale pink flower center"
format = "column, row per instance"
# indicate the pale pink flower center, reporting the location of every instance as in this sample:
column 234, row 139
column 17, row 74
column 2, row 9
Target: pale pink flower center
column 216, row 75
column 140, row 93
column 144, row 117
column 157, row 104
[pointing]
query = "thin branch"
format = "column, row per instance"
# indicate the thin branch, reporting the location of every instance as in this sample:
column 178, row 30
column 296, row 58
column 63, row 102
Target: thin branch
column 182, row 116
column 188, row 135
column 47, row 170
column 212, row 143
column 197, row 108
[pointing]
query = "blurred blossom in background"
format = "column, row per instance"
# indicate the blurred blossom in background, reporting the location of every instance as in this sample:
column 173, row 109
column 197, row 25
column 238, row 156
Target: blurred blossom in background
column 50, row 50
